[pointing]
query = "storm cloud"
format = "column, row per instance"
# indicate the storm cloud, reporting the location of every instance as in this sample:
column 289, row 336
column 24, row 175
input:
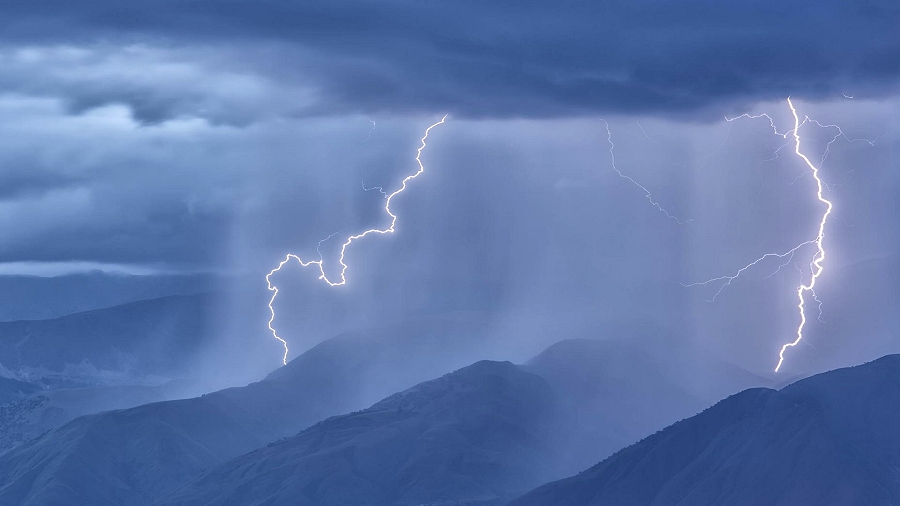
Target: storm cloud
column 219, row 136
column 489, row 59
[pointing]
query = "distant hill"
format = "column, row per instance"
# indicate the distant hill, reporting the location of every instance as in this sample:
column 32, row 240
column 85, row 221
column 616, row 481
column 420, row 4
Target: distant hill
column 24, row 416
column 135, row 455
column 97, row 360
column 617, row 391
column 829, row 440
column 588, row 388
column 11, row 389
column 147, row 341
column 474, row 436
column 48, row 297
column 429, row 451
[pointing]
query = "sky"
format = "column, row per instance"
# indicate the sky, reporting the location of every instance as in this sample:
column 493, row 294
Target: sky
column 218, row 136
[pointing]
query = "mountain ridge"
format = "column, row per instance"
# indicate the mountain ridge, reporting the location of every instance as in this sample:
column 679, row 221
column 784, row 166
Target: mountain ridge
column 473, row 436
column 827, row 440
column 338, row 375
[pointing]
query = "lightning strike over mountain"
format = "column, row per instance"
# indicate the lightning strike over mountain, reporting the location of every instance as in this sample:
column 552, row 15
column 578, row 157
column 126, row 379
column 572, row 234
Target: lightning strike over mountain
column 816, row 264
column 647, row 194
column 321, row 263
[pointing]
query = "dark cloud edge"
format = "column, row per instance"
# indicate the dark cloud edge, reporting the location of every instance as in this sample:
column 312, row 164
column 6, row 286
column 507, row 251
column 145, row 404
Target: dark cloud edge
column 530, row 59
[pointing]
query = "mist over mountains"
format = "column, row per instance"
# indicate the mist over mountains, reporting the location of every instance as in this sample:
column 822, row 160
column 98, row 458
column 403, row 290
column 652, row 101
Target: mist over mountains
column 11, row 389
column 572, row 413
column 345, row 373
column 144, row 342
column 58, row 369
column 570, row 238
column 474, row 436
column 35, row 297
column 100, row 408
column 97, row 410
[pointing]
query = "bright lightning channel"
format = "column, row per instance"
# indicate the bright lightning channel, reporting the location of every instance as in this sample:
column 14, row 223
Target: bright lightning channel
column 389, row 197
column 816, row 264
column 816, row 267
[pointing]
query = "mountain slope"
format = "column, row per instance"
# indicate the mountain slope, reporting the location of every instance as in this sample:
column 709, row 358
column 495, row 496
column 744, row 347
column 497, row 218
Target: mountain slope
column 829, row 440
column 601, row 389
column 11, row 389
column 615, row 392
column 133, row 456
column 471, row 437
column 51, row 296
column 100, row 459
column 29, row 416
column 139, row 342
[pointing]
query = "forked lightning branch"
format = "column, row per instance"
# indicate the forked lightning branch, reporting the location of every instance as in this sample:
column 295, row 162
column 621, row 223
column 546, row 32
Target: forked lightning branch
column 806, row 289
column 320, row 263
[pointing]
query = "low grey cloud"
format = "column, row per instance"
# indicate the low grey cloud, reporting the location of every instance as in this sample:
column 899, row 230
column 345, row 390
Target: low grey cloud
column 156, row 83
column 32, row 182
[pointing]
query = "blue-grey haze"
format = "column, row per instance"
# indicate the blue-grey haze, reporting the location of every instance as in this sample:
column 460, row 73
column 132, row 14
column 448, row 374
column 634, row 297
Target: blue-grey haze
column 214, row 137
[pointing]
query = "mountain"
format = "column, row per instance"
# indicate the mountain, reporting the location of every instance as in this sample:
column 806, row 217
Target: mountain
column 828, row 440
column 141, row 342
column 47, row 297
column 97, row 360
column 135, row 455
column 861, row 300
column 426, row 449
column 615, row 392
column 138, row 455
column 12, row 389
column 33, row 411
column 474, row 436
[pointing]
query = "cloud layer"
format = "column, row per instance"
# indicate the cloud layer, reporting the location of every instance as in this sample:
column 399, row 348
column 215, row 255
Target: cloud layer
column 478, row 59
column 218, row 136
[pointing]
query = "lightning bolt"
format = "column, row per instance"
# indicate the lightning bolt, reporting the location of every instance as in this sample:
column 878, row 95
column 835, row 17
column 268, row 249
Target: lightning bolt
column 380, row 189
column 816, row 264
column 647, row 194
column 642, row 130
column 372, row 121
column 726, row 280
column 320, row 263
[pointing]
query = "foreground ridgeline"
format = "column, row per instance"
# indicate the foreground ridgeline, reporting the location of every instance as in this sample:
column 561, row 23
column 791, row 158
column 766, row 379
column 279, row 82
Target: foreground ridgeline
column 829, row 440
column 478, row 434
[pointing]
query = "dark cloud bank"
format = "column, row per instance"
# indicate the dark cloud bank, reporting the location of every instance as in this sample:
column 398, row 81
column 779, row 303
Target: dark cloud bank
column 533, row 58
column 218, row 136
column 171, row 149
